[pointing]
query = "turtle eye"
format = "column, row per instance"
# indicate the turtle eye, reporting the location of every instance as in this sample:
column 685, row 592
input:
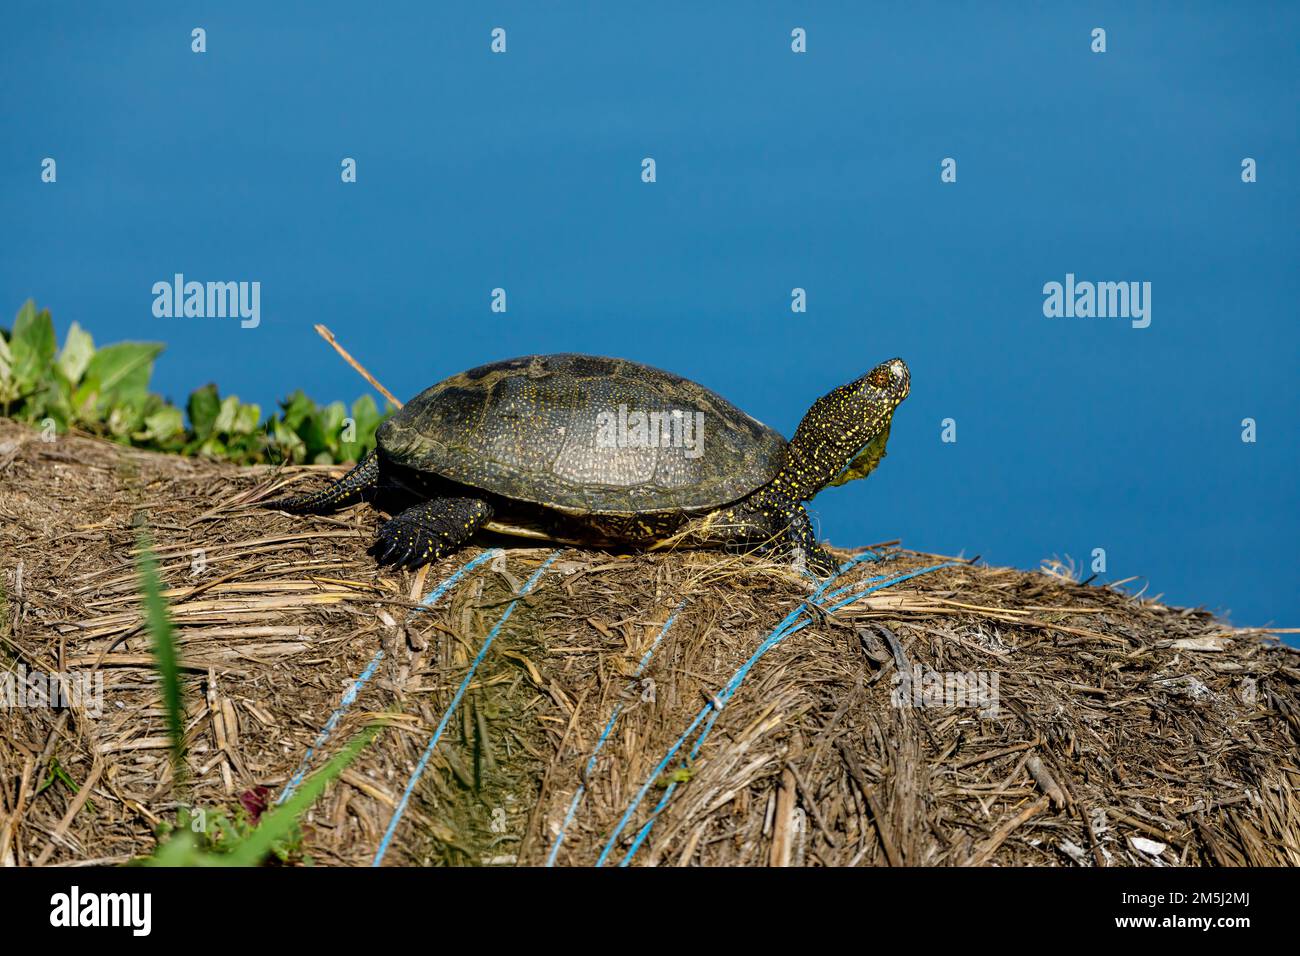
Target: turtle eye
column 880, row 377
column 889, row 377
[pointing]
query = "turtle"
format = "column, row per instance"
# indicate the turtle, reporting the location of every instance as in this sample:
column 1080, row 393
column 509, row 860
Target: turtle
column 605, row 452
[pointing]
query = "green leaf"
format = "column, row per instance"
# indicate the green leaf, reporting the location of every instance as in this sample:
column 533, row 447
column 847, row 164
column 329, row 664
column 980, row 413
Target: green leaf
column 6, row 361
column 203, row 406
column 297, row 408
column 313, row 435
column 247, row 418
column 55, row 401
column 182, row 849
column 122, row 369
column 366, row 415
column 333, row 415
column 78, row 348
column 214, row 447
column 33, row 345
column 164, row 424
column 291, row 446
column 225, row 423
column 84, row 406
column 26, row 312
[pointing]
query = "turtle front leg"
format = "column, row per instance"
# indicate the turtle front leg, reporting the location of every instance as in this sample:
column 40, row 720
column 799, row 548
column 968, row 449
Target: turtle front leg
column 429, row 531
column 799, row 545
column 780, row 529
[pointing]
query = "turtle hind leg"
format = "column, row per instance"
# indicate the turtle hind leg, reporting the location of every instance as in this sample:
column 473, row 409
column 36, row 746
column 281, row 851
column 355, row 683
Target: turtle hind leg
column 352, row 487
column 429, row 531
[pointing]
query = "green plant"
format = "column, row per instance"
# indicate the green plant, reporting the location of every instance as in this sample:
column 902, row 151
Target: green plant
column 216, row 838
column 163, row 643
column 57, row 774
column 105, row 391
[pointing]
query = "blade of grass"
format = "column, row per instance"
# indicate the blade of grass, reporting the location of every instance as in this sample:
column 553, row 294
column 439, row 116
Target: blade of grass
column 163, row 640
column 281, row 821
column 182, row 849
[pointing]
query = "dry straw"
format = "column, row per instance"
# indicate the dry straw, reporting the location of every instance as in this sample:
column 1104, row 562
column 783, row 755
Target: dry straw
column 1125, row 732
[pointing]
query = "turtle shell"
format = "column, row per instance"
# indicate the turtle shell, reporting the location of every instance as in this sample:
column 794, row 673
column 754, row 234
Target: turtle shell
column 578, row 434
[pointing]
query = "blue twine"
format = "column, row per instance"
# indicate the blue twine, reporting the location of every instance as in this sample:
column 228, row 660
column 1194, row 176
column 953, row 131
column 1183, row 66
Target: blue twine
column 324, row 735
column 446, row 717
column 349, row 698
column 786, row 628
column 600, row 742
column 654, row 775
column 442, row 588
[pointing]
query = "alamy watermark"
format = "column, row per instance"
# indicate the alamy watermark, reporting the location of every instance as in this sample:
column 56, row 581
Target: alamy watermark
column 208, row 300
column 23, row 688
column 923, row 687
column 1102, row 300
column 636, row 428
column 75, row 908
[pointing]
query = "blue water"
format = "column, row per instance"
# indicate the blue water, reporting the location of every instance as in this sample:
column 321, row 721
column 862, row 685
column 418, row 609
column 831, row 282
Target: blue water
column 775, row 170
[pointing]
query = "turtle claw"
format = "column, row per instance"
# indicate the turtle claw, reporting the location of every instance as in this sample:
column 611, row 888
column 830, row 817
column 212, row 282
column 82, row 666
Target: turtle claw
column 428, row 531
column 385, row 547
column 395, row 548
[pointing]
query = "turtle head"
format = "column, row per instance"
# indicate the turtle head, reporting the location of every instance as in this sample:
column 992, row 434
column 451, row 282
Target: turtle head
column 843, row 435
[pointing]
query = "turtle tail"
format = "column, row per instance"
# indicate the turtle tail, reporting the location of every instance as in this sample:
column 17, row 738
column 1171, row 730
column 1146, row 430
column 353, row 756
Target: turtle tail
column 350, row 488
